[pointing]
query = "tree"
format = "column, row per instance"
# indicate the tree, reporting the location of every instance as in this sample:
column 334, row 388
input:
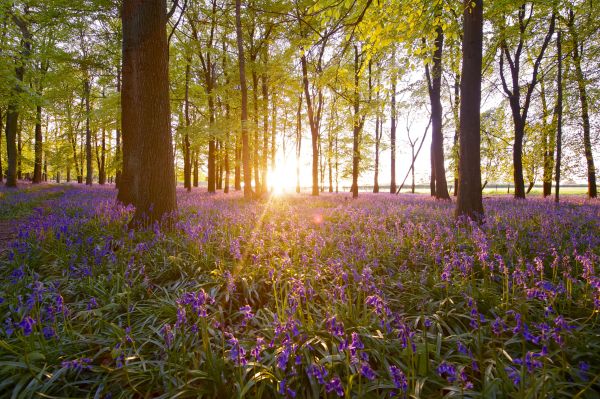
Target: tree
column 520, row 110
column 469, row 202
column 434, row 85
column 583, row 98
column 12, row 116
column 148, row 180
column 244, row 111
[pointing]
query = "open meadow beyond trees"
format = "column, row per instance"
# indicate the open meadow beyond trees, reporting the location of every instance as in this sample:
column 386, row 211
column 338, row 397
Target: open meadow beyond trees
column 299, row 296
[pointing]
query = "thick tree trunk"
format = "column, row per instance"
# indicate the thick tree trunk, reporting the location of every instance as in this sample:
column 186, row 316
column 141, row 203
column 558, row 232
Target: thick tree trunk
column 469, row 202
column 244, row 110
column 12, row 116
column 147, row 147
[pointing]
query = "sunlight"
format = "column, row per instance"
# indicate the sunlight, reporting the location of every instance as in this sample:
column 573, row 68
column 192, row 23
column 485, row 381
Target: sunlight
column 283, row 178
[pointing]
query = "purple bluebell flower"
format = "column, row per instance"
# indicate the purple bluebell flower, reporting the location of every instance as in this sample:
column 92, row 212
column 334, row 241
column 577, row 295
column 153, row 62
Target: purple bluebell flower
column 335, row 385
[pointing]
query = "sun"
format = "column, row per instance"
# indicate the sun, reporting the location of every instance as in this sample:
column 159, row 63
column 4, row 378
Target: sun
column 282, row 178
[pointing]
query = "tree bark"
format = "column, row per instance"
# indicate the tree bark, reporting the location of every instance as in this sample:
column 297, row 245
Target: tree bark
column 187, row 156
column 437, row 138
column 558, row 112
column 12, row 116
column 88, row 134
column 298, row 141
column 469, row 202
column 244, row 110
column 266, row 133
column 520, row 111
column 102, row 168
column 314, row 127
column 585, row 116
column 37, row 168
column 393, row 127
column 147, row 146
column 118, row 155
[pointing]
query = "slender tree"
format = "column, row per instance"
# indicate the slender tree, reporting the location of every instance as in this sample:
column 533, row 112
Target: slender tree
column 244, row 110
column 521, row 110
column 584, row 102
column 558, row 112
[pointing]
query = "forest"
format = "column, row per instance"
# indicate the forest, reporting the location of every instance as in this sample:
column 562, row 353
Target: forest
column 307, row 198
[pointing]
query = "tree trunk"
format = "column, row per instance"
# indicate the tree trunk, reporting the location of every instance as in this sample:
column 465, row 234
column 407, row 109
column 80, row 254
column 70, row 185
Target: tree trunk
column 88, row 134
column 393, row 127
column 12, row 117
column 439, row 185
column 37, row 169
column 298, row 141
column 187, row 159
column 585, row 117
column 238, row 167
column 148, row 170
column 558, row 111
column 196, row 168
column 314, row 128
column 548, row 144
column 20, row 150
column 455, row 149
column 377, row 140
column 244, row 110
column 520, row 111
column 469, row 202
column 102, row 169
column 356, row 126
column 118, row 159
column 266, row 133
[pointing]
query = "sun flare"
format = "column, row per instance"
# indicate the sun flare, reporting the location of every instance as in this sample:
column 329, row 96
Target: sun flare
column 282, row 178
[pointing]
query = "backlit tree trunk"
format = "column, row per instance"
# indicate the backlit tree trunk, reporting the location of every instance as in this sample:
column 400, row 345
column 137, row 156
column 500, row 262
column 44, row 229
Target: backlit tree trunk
column 244, row 110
